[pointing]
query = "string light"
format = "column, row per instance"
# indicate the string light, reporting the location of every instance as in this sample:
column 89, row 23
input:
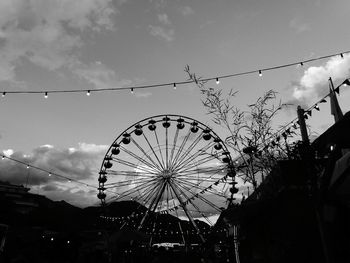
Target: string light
column 46, row 95
column 88, row 93
column 346, row 82
column 132, row 90
column 174, row 85
column 27, row 166
column 3, row 94
column 3, row 157
column 301, row 64
column 188, row 81
column 217, row 81
column 49, row 174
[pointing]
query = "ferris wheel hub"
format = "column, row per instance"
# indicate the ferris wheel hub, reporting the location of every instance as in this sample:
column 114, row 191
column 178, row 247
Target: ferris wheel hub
column 167, row 173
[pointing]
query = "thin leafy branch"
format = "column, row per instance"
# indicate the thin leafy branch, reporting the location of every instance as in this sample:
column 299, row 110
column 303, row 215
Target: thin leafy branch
column 249, row 132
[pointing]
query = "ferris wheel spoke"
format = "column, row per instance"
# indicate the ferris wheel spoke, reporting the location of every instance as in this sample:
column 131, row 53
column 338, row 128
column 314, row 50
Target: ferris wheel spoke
column 131, row 194
column 195, row 155
column 196, row 164
column 154, row 153
column 174, row 146
column 187, row 152
column 183, row 205
column 204, row 170
column 166, row 148
column 132, row 173
column 140, row 159
column 196, row 186
column 206, row 175
column 158, row 196
column 189, row 199
column 129, row 181
column 197, row 209
column 160, row 148
column 132, row 165
column 147, row 155
column 135, row 189
column 206, row 188
column 147, row 194
column 183, row 143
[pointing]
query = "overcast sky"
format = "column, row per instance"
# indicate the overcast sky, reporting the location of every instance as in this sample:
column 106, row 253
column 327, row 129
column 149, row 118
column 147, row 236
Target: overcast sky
column 87, row 44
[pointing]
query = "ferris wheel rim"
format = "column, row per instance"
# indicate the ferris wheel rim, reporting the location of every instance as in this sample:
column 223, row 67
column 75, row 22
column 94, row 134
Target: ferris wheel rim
column 159, row 118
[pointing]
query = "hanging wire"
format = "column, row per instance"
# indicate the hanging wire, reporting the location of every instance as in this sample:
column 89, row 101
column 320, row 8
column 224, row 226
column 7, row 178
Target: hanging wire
column 175, row 84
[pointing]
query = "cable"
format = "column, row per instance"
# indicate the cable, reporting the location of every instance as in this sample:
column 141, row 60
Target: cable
column 174, row 84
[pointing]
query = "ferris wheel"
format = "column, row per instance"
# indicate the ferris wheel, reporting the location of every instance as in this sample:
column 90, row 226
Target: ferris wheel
column 169, row 164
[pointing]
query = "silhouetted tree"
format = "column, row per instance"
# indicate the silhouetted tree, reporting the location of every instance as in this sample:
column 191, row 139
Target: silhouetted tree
column 251, row 135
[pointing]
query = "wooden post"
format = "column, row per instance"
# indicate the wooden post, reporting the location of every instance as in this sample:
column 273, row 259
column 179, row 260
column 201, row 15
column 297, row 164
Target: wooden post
column 303, row 130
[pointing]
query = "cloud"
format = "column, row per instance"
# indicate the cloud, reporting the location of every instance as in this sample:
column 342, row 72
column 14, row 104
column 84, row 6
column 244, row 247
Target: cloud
column 99, row 75
column 163, row 19
column 159, row 4
column 8, row 152
column 186, row 10
column 162, row 33
column 48, row 32
column 80, row 163
column 298, row 26
column 314, row 82
column 79, row 197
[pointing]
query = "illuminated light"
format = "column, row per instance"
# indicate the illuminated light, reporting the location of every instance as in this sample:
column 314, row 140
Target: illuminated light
column 3, row 157
column 260, row 73
column 46, row 95
column 69, row 181
column 3, row 94
column 217, row 81
column 49, row 174
column 346, row 82
column 132, row 90
column 88, row 93
column 317, row 108
column 52, row 238
column 27, row 166
column 68, row 241
column 174, row 85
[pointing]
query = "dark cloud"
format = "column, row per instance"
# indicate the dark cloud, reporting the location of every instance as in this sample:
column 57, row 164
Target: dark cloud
column 49, row 188
column 79, row 163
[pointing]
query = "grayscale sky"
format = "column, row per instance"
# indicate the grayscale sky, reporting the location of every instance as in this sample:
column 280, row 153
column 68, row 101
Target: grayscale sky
column 89, row 44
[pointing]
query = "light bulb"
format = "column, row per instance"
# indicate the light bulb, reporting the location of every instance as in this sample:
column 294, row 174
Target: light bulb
column 174, row 85
column 260, row 73
column 88, row 93
column 46, row 95
column 132, row 90
column 49, row 174
column 27, row 166
column 3, row 94
column 217, row 81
